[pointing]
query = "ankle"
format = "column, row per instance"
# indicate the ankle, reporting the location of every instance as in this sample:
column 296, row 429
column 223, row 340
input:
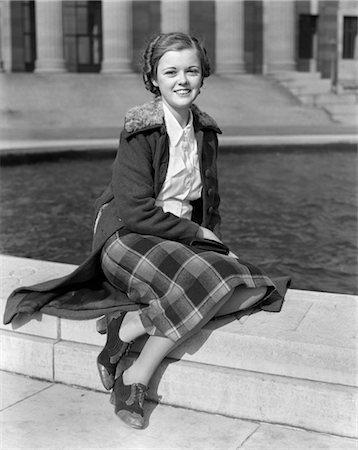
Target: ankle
column 126, row 378
column 130, row 377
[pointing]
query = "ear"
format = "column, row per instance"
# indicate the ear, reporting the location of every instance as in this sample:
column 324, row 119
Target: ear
column 155, row 82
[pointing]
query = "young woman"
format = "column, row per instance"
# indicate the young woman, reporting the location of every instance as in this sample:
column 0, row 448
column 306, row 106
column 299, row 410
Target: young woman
column 156, row 230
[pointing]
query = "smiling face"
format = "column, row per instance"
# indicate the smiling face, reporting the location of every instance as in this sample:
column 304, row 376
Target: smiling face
column 179, row 78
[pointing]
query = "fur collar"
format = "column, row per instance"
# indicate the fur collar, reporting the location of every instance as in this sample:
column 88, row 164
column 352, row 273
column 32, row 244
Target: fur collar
column 151, row 114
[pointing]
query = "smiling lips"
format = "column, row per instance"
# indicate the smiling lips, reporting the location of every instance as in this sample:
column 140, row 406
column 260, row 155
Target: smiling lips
column 183, row 91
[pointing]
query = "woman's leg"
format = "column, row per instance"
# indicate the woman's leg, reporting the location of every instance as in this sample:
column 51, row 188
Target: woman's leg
column 157, row 347
column 129, row 388
column 131, row 327
column 153, row 352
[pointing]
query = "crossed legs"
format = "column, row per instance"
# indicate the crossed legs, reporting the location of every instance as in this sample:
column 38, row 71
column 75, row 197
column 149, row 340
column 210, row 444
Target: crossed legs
column 157, row 347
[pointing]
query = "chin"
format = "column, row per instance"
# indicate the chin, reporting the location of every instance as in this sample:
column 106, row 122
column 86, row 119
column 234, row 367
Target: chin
column 186, row 101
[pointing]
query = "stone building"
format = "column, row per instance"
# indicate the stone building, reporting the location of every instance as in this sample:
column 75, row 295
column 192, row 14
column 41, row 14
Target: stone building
column 263, row 36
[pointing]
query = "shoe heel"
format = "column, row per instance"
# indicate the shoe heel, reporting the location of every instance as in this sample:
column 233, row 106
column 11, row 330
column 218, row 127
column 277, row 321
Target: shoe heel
column 101, row 325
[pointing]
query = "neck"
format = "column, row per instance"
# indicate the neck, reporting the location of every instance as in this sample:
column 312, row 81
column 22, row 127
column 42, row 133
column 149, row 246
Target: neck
column 182, row 115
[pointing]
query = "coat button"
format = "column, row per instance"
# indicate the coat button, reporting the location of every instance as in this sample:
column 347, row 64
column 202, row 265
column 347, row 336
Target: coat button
column 210, row 209
column 210, row 192
column 208, row 173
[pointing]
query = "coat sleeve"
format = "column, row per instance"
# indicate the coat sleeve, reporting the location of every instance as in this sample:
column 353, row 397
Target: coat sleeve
column 134, row 195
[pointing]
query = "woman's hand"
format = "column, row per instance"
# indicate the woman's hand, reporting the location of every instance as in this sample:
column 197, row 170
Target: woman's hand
column 205, row 233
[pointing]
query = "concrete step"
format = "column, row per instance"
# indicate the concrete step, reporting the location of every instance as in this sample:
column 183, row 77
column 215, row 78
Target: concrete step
column 343, row 113
column 304, row 85
column 296, row 367
column 294, row 75
column 334, row 99
column 312, row 88
column 350, row 84
column 306, row 82
column 307, row 99
column 342, row 109
column 346, row 119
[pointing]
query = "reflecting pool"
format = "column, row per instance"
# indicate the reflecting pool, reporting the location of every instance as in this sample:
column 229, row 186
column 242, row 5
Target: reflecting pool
column 289, row 212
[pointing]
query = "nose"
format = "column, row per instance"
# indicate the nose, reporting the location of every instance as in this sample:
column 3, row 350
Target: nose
column 182, row 78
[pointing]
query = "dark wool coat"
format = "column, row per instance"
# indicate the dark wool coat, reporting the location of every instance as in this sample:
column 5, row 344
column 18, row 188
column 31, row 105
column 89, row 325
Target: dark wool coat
column 139, row 172
column 128, row 205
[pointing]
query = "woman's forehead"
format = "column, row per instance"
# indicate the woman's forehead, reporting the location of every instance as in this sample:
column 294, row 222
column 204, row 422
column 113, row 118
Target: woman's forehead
column 174, row 58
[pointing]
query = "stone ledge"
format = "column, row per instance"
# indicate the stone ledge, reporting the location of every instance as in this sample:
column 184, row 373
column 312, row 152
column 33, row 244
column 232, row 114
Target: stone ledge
column 307, row 339
column 27, row 355
column 233, row 143
column 308, row 350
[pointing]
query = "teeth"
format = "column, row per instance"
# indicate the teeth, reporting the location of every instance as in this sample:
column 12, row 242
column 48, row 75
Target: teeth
column 183, row 91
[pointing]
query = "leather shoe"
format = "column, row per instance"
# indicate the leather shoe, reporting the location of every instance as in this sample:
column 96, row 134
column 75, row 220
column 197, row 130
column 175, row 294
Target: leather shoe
column 128, row 402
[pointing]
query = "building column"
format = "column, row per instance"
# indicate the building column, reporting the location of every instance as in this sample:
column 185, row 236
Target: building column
column 314, row 11
column 49, row 37
column 117, row 35
column 175, row 16
column 229, row 48
column 279, row 36
column 5, row 37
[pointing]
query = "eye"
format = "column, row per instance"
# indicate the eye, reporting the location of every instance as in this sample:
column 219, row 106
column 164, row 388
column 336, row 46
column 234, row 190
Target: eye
column 169, row 72
column 194, row 71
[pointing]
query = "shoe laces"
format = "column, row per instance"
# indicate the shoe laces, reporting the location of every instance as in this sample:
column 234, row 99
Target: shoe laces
column 138, row 392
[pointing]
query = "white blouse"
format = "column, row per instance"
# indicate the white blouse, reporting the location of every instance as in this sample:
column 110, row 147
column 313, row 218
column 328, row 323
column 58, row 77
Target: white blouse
column 183, row 181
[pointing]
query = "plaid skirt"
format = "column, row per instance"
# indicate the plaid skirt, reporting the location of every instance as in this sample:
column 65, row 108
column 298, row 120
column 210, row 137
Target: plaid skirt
column 175, row 285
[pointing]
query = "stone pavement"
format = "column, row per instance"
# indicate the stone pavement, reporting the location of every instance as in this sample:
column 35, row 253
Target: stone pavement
column 37, row 414
column 92, row 106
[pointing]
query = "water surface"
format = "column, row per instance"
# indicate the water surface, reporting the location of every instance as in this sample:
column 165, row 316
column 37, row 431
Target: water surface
column 290, row 212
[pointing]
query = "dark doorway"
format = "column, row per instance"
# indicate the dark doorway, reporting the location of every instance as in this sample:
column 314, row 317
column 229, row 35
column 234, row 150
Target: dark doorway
column 307, row 30
column 350, row 31
column 82, row 28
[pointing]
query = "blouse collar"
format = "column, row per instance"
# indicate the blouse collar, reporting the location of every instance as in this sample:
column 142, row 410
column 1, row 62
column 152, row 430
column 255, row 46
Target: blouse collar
column 174, row 129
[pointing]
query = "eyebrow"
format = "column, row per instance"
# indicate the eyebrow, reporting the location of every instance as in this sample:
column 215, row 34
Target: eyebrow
column 174, row 67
